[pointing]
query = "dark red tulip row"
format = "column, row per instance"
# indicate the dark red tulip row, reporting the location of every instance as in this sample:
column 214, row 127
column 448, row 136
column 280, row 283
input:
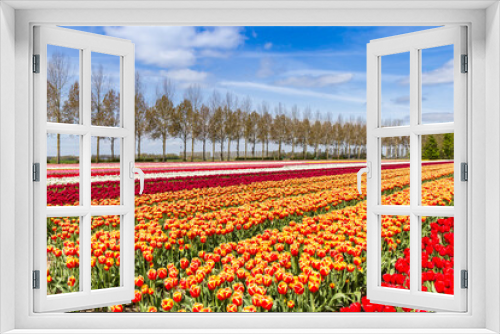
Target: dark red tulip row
column 116, row 171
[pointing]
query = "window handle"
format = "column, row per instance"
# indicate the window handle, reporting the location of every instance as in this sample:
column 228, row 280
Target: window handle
column 139, row 171
column 368, row 171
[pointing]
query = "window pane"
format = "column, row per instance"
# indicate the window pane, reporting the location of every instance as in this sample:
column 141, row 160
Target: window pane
column 105, row 89
column 63, row 254
column 437, row 84
column 437, row 254
column 63, row 169
column 63, row 85
column 395, row 177
column 438, row 170
column 395, row 89
column 105, row 170
column 105, row 250
column 395, row 256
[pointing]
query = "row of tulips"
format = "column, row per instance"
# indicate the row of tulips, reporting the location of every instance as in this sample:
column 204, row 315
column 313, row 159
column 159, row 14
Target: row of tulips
column 104, row 191
column 59, row 173
column 166, row 244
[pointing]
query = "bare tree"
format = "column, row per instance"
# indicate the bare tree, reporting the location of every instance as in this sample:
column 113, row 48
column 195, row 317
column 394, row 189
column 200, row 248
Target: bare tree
column 294, row 128
column 111, row 108
column 264, row 127
column 100, row 116
column 58, row 69
column 248, row 125
column 339, row 134
column 160, row 117
column 216, row 122
column 280, row 129
column 193, row 95
column 306, row 130
column 183, row 122
column 230, row 120
column 141, row 108
column 204, row 115
column 327, row 134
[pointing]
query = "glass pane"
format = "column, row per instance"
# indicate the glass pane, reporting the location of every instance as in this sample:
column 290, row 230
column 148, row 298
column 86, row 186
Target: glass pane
column 395, row 89
column 437, row 170
column 437, row 84
column 395, row 177
column 105, row 89
column 105, row 170
column 437, row 254
column 63, row 85
column 63, row 254
column 105, row 248
column 395, row 256
column 63, row 169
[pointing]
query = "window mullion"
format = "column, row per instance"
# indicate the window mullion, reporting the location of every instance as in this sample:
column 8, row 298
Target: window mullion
column 414, row 168
column 85, row 232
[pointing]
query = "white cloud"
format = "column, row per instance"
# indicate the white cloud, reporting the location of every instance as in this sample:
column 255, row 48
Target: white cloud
column 315, row 81
column 177, row 46
column 437, row 117
column 441, row 75
column 266, row 68
column 268, row 46
column 292, row 91
column 185, row 75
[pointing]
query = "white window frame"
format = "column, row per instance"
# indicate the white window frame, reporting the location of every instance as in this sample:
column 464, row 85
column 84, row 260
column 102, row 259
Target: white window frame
column 414, row 43
column 85, row 43
column 483, row 100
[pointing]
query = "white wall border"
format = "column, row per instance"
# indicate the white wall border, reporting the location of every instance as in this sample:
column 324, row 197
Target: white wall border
column 476, row 318
column 7, row 161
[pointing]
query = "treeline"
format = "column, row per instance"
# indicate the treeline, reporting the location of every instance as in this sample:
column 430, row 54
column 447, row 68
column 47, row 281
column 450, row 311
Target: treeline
column 222, row 123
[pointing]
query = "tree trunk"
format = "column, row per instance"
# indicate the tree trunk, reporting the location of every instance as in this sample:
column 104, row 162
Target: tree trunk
column 213, row 150
column 112, row 149
column 279, row 150
column 204, row 142
column 267, row 148
column 192, row 149
column 139, row 147
column 304, row 151
column 326, row 151
column 228, row 149
column 58, row 158
column 237, row 148
column 293, row 149
column 246, row 148
column 263, row 149
column 185, row 149
column 221, row 150
column 316, row 151
column 98, row 142
column 164, row 139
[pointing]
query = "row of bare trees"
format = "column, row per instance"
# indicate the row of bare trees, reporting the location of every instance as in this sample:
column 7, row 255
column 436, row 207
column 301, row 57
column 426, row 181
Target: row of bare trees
column 224, row 121
column 105, row 100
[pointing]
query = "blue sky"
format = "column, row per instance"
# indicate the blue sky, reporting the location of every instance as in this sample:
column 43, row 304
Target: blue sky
column 323, row 68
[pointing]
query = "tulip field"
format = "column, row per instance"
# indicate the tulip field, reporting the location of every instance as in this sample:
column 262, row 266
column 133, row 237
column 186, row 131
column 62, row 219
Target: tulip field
column 251, row 238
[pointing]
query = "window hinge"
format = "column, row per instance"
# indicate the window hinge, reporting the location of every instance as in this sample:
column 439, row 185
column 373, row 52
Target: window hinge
column 36, row 279
column 36, row 63
column 465, row 279
column 465, row 64
column 36, row 172
column 464, row 172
